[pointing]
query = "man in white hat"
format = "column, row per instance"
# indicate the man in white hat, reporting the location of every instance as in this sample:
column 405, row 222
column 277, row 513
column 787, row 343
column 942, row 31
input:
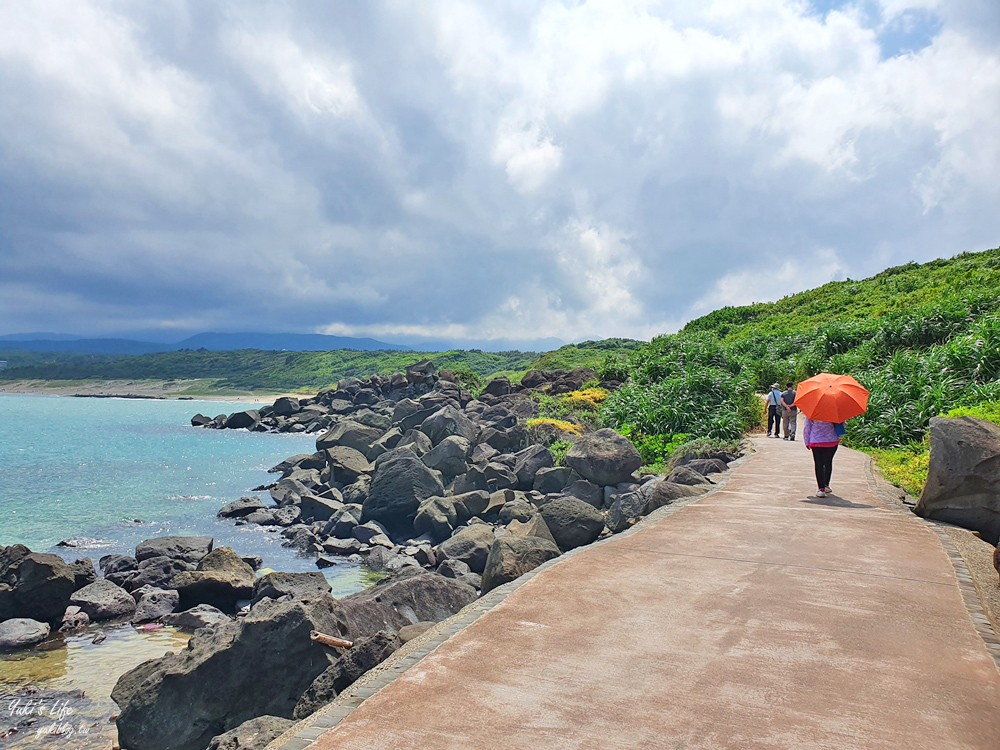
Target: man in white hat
column 774, row 410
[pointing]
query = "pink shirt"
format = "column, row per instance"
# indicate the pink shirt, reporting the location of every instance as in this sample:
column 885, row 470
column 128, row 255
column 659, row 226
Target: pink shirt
column 819, row 434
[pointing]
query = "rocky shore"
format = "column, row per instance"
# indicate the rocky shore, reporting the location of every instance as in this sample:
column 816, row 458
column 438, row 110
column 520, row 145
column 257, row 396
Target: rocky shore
column 447, row 495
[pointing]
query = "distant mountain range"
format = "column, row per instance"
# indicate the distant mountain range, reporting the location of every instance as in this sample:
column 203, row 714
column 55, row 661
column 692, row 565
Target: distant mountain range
column 298, row 342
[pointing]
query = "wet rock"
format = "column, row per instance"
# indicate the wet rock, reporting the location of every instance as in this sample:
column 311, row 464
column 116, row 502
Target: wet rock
column 22, row 632
column 512, row 556
column 103, row 600
column 573, row 523
column 255, row 734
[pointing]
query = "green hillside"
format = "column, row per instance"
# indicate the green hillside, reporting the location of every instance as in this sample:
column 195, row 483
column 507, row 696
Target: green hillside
column 923, row 338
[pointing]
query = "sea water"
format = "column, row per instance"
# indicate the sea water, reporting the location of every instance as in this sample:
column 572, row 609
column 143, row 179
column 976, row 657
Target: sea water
column 106, row 474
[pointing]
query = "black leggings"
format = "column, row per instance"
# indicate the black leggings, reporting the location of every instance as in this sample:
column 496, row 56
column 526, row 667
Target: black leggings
column 823, row 458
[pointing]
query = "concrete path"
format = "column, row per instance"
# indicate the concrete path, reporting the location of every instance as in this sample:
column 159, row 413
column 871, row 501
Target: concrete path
column 756, row 617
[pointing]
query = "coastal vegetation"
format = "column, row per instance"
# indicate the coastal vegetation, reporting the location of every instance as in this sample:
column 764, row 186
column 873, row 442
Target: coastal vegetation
column 924, row 339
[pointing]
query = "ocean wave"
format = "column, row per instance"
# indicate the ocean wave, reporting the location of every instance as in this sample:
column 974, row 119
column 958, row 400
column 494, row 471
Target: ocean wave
column 189, row 497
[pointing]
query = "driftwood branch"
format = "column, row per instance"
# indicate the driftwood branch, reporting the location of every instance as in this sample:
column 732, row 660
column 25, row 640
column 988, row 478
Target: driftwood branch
column 329, row 640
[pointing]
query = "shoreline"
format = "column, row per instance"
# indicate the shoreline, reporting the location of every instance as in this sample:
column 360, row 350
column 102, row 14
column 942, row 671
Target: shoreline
column 172, row 390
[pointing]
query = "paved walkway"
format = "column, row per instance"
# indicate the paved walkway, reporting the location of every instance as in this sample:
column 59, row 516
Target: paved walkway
column 756, row 617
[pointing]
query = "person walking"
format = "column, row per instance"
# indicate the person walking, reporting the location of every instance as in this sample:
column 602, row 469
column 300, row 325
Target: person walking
column 789, row 412
column 823, row 439
column 774, row 410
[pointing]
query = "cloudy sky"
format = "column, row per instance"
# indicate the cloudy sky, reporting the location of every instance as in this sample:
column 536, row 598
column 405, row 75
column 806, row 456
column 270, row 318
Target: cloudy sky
column 478, row 170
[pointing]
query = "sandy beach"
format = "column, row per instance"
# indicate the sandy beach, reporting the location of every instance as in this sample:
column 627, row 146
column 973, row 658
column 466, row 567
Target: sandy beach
column 200, row 390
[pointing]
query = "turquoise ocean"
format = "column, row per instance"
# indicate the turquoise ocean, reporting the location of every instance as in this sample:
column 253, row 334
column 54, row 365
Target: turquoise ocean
column 107, row 473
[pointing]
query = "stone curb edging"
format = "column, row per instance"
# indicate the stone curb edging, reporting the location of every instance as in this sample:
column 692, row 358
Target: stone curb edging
column 966, row 583
column 311, row 728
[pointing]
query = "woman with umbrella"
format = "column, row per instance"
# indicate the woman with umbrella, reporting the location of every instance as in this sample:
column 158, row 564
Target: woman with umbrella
column 827, row 401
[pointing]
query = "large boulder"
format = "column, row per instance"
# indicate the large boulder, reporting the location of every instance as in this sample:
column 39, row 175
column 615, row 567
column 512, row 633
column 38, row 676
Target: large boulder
column 186, row 548
column 286, row 406
column 629, row 507
column 963, row 478
column 158, row 572
column 449, row 456
column 22, row 632
column 315, row 508
column 554, row 479
column 242, row 420
column 410, row 596
column 449, row 421
column 573, row 523
column 202, row 616
column 529, row 461
column 103, row 600
column 366, row 653
column 347, row 464
column 255, row 734
column 513, row 556
column 604, row 457
column 34, row 585
column 470, row 544
column 350, row 433
column 305, row 587
column 436, row 518
column 154, row 604
column 221, row 579
column 241, row 508
column 401, row 482
column 258, row 665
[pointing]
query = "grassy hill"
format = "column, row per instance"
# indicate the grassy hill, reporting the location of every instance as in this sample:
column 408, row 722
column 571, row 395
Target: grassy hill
column 923, row 338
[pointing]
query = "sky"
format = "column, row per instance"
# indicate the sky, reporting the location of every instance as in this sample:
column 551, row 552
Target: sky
column 475, row 171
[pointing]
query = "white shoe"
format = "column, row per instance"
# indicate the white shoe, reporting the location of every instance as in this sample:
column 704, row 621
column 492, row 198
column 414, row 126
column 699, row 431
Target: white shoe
column 820, row 493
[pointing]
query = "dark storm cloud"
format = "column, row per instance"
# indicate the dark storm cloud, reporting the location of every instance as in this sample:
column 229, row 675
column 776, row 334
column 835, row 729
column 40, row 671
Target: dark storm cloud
column 463, row 170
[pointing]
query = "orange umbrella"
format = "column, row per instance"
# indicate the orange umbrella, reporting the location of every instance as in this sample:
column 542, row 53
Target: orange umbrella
column 831, row 398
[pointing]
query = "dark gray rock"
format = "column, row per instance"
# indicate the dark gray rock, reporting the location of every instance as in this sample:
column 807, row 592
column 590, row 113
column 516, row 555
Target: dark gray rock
column 255, row 734
column 200, row 420
column 221, row 579
column 103, row 600
column 604, row 457
column 534, row 526
column 554, row 479
column 482, row 454
column 401, row 482
column 201, row 616
column 470, row 544
column 706, row 466
column 22, row 632
column 342, row 547
column 408, row 633
column 240, row 508
column 471, row 481
column 347, row 464
column 117, row 564
column 470, row 504
column 511, row 557
column 436, row 518
column 286, row 406
column 449, row 421
column 686, row 475
column 154, row 604
column 963, row 477
column 449, row 456
column 357, row 492
column 628, row 508
column 350, row 433
column 186, row 548
column 157, row 572
column 366, row 653
column 453, row 568
column 243, row 420
column 305, row 587
column 408, row 597
column 499, row 476
column 528, row 462
column 367, row 531
column 258, row 665
column 33, row 585
column 84, row 573
column 589, row 492
column 516, row 510
column 314, row 508
column 573, row 523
